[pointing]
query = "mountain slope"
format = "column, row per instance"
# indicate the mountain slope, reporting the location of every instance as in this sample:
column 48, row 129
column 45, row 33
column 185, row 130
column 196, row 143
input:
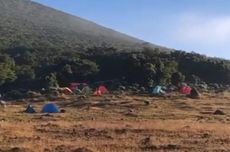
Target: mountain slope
column 26, row 23
column 42, row 48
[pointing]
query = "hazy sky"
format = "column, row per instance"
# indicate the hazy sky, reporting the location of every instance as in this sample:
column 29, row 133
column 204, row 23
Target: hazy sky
column 193, row 25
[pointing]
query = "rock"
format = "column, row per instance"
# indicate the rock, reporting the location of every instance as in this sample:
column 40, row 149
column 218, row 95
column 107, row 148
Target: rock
column 136, row 85
column 55, row 93
column 83, row 149
column 205, row 135
column 123, row 88
column 17, row 149
column 82, row 97
column 214, row 86
column 194, row 94
column 203, row 86
column 142, row 89
column 2, row 103
column 33, row 94
column 62, row 148
column 219, row 112
column 131, row 110
column 120, row 131
column 146, row 141
column 171, row 147
column 47, row 150
column 172, row 88
column 147, row 103
column 62, row 110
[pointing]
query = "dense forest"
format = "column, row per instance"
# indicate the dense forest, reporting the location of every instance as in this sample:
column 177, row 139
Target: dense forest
column 25, row 68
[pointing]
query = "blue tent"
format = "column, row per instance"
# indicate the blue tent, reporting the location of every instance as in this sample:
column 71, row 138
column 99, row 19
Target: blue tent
column 30, row 109
column 50, row 108
column 158, row 90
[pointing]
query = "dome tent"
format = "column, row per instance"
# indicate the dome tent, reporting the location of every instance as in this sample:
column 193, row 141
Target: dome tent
column 30, row 109
column 103, row 89
column 100, row 90
column 158, row 90
column 185, row 89
column 50, row 108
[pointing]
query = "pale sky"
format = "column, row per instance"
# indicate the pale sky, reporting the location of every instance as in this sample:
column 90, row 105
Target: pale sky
column 202, row 26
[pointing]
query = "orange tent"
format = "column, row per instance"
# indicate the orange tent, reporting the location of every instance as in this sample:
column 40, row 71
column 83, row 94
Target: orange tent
column 65, row 90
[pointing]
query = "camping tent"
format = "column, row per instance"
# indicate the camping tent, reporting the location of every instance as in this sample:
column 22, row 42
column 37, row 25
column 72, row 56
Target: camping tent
column 186, row 89
column 50, row 108
column 30, row 109
column 97, row 92
column 77, row 86
column 158, row 90
column 103, row 89
column 73, row 86
column 100, row 90
column 65, row 90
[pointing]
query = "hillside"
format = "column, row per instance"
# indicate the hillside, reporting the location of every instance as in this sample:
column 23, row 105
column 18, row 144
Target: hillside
column 42, row 48
column 27, row 23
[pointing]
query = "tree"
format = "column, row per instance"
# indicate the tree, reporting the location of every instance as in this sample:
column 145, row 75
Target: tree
column 51, row 81
column 149, row 74
column 159, row 71
column 194, row 79
column 7, row 69
column 84, row 68
column 25, row 72
column 177, row 78
column 169, row 68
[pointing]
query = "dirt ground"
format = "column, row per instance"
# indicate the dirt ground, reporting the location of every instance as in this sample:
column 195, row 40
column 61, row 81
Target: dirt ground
column 119, row 123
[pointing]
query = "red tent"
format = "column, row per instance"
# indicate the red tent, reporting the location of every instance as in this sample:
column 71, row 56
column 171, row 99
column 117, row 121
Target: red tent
column 103, row 89
column 97, row 93
column 186, row 89
column 100, row 90
column 73, row 86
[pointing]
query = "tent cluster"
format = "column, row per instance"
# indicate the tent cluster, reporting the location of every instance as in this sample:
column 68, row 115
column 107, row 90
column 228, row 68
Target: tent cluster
column 184, row 89
column 47, row 108
column 83, row 89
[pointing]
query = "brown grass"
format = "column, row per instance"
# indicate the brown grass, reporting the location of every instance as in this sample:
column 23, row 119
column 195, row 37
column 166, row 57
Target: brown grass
column 123, row 123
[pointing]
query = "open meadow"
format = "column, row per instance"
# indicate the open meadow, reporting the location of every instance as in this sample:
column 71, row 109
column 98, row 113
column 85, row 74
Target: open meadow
column 119, row 123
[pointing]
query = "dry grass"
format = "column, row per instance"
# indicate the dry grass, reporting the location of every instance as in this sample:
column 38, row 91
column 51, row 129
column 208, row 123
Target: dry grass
column 120, row 124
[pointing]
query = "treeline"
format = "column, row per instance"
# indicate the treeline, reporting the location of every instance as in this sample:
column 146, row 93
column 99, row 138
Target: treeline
column 25, row 68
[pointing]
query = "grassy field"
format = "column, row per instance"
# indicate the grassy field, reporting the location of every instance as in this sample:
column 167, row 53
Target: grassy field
column 119, row 123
